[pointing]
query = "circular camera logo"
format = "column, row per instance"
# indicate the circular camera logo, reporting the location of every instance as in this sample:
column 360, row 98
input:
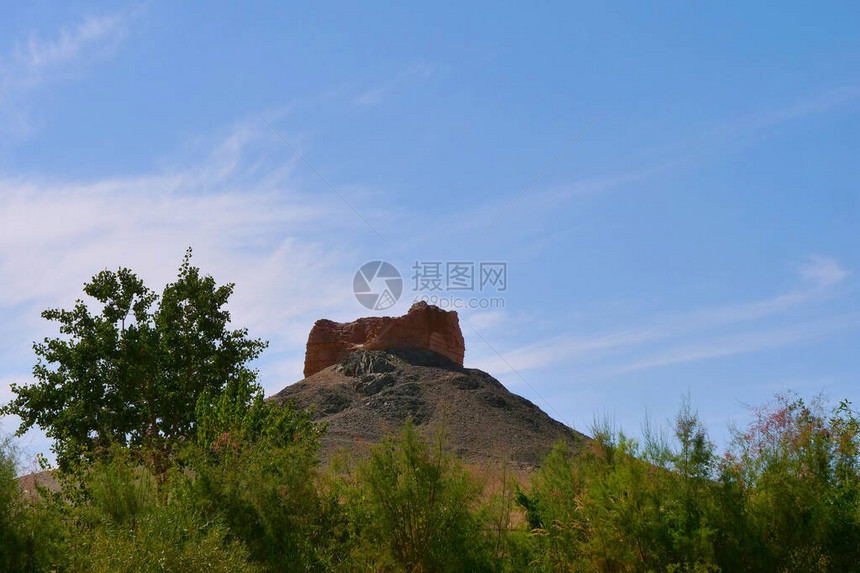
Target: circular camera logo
column 377, row 285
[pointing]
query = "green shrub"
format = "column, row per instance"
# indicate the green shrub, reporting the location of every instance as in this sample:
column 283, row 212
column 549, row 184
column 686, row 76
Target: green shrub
column 30, row 530
column 256, row 468
column 120, row 519
column 414, row 509
column 121, row 490
column 167, row 538
column 784, row 498
column 247, row 495
column 797, row 468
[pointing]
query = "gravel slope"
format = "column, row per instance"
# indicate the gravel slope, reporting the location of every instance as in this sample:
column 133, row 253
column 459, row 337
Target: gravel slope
column 373, row 392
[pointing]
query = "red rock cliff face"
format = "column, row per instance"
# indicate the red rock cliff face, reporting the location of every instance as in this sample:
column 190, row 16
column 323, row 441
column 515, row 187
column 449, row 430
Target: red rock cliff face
column 425, row 327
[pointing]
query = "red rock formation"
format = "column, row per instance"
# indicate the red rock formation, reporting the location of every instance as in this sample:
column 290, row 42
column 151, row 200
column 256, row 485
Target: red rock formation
column 425, row 327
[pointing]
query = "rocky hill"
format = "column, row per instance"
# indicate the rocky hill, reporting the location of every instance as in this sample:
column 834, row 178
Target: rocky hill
column 369, row 376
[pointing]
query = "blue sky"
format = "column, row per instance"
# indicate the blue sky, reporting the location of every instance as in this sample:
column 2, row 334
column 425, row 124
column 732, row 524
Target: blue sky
column 699, row 234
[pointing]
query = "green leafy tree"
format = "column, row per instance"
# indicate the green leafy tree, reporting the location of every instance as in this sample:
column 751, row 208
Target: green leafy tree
column 132, row 373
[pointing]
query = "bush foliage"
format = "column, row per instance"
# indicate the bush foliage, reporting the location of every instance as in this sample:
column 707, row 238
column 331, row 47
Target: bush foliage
column 171, row 460
column 784, row 497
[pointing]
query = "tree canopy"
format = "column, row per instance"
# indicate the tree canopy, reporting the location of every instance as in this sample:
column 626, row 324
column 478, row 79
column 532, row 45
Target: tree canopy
column 129, row 368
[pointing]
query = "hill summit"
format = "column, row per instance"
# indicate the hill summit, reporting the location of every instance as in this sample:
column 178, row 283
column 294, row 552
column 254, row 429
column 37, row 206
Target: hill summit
column 424, row 327
column 367, row 377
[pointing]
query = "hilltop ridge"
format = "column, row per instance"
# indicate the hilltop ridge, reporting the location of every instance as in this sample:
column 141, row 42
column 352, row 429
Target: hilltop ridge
column 385, row 371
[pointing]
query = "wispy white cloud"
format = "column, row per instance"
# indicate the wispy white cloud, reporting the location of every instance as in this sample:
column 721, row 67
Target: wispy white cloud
column 377, row 94
column 486, row 319
column 822, row 271
column 38, row 60
column 824, row 102
column 530, row 215
column 820, row 277
column 566, row 348
column 744, row 343
column 249, row 222
column 35, row 440
column 36, row 55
